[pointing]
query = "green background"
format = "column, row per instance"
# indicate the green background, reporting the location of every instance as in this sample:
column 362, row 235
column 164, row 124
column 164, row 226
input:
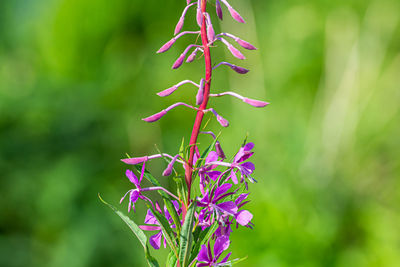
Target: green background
column 76, row 77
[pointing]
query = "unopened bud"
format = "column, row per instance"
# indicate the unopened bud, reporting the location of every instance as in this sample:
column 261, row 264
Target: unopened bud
column 166, row 46
column 255, row 103
column 134, row 161
column 156, row 116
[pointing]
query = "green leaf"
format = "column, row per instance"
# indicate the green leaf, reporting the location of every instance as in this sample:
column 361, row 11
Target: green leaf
column 203, row 239
column 171, row 260
column 175, row 217
column 137, row 231
column 169, row 235
column 186, row 237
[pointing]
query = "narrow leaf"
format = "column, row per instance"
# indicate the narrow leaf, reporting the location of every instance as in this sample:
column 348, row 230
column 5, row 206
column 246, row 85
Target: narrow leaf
column 186, row 237
column 152, row 262
column 203, row 239
column 171, row 260
column 166, row 229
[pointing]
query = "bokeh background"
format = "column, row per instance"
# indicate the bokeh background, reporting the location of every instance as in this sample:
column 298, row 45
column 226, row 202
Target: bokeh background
column 76, row 77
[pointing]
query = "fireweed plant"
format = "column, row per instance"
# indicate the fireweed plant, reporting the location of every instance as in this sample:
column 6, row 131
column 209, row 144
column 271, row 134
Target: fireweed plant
column 196, row 228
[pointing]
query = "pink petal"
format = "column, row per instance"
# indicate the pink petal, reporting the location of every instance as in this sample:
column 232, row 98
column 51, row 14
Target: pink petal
column 156, row 116
column 244, row 217
column 218, row 9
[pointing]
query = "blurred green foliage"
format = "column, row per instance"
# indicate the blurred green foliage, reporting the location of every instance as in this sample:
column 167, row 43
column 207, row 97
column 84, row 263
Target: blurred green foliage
column 76, row 76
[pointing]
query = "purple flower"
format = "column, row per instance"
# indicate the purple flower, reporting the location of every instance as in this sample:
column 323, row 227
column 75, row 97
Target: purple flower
column 213, row 210
column 245, row 168
column 206, row 257
column 206, row 172
column 243, row 217
column 153, row 225
column 134, row 194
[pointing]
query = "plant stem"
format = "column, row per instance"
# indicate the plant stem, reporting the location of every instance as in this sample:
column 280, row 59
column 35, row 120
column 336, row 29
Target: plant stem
column 203, row 106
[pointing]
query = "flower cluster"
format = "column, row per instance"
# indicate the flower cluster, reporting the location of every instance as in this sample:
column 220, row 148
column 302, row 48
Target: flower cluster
column 197, row 226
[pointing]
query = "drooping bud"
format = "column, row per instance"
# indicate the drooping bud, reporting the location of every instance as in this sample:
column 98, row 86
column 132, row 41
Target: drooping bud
column 156, row 116
column 179, row 61
column 233, row 12
column 134, row 161
column 255, row 103
column 218, row 9
column 236, row 15
column 168, row 170
column 192, row 56
column 179, row 25
column 239, row 70
column 166, row 46
column 168, row 91
column 219, row 150
column 200, row 93
column 245, row 44
column 222, row 121
column 236, row 53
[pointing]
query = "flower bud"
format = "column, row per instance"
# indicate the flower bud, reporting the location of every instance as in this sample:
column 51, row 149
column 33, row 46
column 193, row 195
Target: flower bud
column 179, row 25
column 134, row 161
column 179, row 61
column 156, row 116
column 168, row 91
column 192, row 56
column 235, row 15
column 218, row 9
column 222, row 121
column 168, row 170
column 199, row 16
column 166, row 46
column 235, row 52
column 239, row 70
column 200, row 93
column 219, row 150
column 245, row 44
column 255, row 103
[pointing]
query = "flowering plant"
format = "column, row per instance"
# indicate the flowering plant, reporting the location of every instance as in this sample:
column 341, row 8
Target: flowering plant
column 196, row 228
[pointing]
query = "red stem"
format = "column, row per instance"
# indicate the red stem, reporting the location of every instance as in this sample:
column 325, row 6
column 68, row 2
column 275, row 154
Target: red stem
column 203, row 106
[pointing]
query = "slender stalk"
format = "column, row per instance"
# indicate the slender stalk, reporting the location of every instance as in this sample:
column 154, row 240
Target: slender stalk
column 203, row 106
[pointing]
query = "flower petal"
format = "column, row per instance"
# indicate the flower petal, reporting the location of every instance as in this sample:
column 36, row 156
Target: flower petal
column 244, row 217
column 221, row 244
column 155, row 240
column 132, row 177
column 203, row 255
